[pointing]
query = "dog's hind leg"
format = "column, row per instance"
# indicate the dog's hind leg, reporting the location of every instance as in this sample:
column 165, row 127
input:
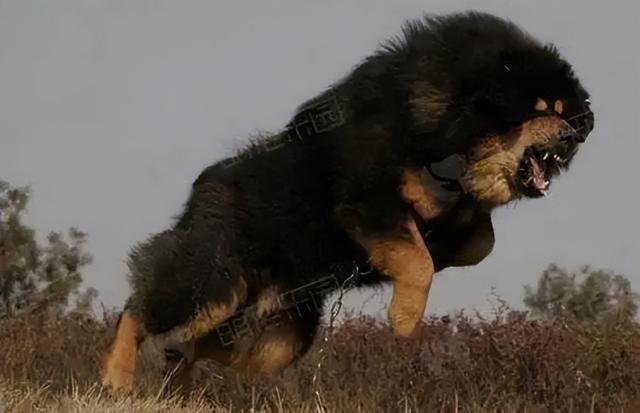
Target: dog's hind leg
column 260, row 354
column 278, row 345
column 119, row 366
column 260, row 346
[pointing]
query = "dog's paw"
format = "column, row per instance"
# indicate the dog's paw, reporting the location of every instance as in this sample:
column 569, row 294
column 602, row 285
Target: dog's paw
column 117, row 379
column 404, row 323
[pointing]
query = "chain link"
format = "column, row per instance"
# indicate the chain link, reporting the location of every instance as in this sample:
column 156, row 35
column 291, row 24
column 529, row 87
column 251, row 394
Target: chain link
column 336, row 306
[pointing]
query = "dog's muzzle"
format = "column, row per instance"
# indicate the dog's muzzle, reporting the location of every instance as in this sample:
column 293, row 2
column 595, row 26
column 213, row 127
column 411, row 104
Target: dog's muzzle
column 582, row 125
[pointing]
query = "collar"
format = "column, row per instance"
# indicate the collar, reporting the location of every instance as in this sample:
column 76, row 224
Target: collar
column 445, row 175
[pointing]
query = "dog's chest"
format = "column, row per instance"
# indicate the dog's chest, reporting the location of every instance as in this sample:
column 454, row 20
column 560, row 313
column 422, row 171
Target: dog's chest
column 463, row 237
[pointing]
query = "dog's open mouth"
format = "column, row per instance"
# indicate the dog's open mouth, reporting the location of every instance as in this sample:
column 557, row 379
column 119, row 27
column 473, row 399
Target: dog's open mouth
column 552, row 144
column 537, row 167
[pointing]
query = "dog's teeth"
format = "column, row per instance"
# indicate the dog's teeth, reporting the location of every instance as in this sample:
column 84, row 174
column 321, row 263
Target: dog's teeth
column 557, row 158
column 546, row 155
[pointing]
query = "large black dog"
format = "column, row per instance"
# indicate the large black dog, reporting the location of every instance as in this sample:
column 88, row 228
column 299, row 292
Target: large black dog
column 395, row 169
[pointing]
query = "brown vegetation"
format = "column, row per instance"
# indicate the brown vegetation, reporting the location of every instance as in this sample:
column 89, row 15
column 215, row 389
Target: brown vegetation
column 505, row 364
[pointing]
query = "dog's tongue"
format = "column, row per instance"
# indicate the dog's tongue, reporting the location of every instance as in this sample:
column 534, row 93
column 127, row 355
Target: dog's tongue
column 539, row 177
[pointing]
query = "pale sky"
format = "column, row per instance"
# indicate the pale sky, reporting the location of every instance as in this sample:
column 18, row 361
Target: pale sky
column 110, row 108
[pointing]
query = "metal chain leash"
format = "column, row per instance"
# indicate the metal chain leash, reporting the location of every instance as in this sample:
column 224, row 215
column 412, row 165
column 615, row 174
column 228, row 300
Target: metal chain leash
column 336, row 306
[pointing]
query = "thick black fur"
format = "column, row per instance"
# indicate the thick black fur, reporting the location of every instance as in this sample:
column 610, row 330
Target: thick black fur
column 281, row 217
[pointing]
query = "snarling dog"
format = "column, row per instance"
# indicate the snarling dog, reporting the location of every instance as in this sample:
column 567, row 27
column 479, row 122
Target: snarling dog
column 396, row 167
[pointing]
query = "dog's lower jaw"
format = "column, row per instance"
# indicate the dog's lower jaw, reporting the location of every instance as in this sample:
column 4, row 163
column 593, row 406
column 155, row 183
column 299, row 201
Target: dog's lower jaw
column 496, row 194
column 487, row 180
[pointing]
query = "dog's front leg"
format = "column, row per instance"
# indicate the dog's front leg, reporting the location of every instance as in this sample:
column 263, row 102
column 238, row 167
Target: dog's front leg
column 404, row 257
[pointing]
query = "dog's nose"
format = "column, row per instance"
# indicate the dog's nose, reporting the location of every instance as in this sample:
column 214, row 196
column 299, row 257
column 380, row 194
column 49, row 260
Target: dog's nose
column 582, row 124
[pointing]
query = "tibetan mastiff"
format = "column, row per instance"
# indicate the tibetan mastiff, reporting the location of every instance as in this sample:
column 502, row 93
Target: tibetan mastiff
column 389, row 176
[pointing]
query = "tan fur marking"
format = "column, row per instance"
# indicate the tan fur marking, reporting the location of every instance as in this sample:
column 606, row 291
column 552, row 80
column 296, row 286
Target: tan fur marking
column 541, row 105
column 487, row 179
column 415, row 192
column 208, row 318
column 535, row 131
column 559, row 107
column 493, row 163
column 268, row 301
column 408, row 262
column 273, row 350
column 120, row 364
column 273, row 354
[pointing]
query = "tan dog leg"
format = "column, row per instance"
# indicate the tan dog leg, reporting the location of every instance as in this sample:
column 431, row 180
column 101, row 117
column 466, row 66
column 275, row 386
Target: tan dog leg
column 120, row 364
column 407, row 261
column 252, row 355
column 273, row 352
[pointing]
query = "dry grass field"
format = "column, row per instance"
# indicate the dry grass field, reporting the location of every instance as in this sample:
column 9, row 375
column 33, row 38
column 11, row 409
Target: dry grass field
column 460, row 364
